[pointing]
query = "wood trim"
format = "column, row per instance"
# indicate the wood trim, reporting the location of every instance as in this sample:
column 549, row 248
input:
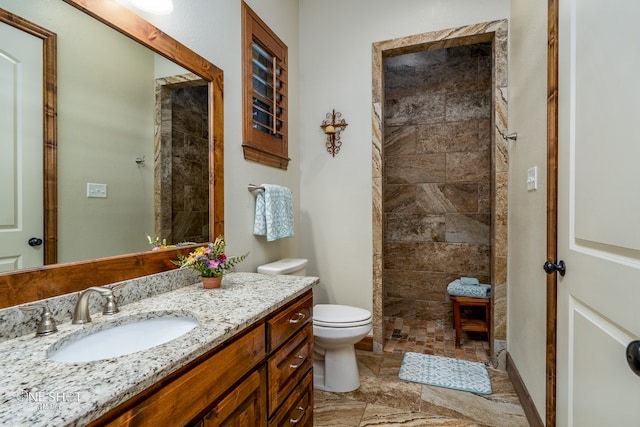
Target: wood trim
column 216, row 156
column 552, row 209
column 265, row 157
column 128, row 23
column 50, row 173
column 52, row 280
column 523, row 394
column 49, row 131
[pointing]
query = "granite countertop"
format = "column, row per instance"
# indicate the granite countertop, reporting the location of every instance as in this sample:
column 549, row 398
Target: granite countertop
column 36, row 391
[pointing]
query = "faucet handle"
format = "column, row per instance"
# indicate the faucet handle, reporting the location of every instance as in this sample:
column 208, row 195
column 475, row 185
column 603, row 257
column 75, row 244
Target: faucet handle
column 111, row 305
column 47, row 323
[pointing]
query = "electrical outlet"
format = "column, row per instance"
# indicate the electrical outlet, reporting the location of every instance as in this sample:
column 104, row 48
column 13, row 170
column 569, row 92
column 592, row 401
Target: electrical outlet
column 96, row 190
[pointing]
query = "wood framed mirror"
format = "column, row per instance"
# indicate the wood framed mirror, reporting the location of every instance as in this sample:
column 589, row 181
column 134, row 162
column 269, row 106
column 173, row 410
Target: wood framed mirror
column 51, row 280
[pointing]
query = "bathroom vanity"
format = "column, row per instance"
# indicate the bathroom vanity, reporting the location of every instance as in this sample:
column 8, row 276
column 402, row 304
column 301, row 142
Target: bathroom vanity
column 249, row 358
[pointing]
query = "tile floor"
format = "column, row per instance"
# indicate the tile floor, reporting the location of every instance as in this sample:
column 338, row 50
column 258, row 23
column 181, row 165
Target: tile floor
column 433, row 337
column 385, row 400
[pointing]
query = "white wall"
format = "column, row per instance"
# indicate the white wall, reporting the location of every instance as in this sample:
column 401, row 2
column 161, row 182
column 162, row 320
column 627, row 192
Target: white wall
column 212, row 28
column 526, row 309
column 335, row 72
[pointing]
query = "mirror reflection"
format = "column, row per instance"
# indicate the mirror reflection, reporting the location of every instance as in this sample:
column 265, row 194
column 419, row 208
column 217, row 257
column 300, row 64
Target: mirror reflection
column 132, row 142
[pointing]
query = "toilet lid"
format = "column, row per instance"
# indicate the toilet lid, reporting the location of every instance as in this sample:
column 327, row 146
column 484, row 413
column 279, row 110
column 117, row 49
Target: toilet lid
column 340, row 316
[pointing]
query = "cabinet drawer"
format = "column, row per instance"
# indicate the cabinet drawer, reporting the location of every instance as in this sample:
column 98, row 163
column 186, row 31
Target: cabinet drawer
column 288, row 366
column 284, row 324
column 297, row 410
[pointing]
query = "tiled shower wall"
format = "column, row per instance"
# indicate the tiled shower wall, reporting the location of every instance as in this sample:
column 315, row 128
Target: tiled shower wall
column 437, row 177
column 181, row 159
column 190, row 165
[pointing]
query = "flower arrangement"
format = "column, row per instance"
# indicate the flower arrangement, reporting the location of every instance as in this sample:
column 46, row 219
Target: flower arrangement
column 210, row 260
column 157, row 244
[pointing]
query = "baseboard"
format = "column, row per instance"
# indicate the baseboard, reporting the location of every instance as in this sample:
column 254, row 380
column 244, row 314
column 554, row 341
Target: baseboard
column 365, row 344
column 525, row 398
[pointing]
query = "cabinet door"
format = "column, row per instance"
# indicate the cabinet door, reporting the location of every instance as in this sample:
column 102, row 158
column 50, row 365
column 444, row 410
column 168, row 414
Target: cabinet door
column 243, row 406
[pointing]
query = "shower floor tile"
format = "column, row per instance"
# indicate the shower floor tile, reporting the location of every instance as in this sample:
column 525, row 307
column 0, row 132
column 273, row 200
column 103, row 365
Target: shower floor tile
column 435, row 337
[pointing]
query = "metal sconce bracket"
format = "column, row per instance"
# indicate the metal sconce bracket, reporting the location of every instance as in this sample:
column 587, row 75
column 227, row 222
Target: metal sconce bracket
column 332, row 125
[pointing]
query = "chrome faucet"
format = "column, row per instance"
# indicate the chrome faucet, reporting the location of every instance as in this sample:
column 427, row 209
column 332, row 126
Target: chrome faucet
column 81, row 312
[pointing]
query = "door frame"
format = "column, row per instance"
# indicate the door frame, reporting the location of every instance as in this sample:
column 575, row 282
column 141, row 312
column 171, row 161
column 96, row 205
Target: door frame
column 552, row 209
column 496, row 32
column 50, row 129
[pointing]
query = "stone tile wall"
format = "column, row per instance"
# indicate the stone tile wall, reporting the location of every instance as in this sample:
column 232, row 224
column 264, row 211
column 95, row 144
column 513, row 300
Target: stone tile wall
column 190, row 165
column 181, row 159
column 436, row 189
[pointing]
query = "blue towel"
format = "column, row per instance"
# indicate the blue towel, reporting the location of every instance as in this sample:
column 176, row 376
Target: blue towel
column 469, row 281
column 274, row 212
column 472, row 291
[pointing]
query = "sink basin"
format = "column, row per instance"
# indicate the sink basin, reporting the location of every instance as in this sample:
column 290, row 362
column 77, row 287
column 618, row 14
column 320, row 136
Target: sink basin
column 122, row 339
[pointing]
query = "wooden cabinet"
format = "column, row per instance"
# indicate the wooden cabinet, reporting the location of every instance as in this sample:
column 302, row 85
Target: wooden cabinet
column 243, row 406
column 297, row 409
column 182, row 396
column 290, row 363
column 287, row 366
column 261, row 377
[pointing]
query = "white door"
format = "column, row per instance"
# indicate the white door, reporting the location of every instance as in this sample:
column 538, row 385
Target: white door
column 21, row 148
column 598, row 212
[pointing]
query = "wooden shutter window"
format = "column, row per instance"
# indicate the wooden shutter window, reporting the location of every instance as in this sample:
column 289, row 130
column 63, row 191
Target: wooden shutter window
column 268, row 88
column 265, row 93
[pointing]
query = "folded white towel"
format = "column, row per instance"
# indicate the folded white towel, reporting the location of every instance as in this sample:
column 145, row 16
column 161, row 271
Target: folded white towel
column 469, row 281
column 274, row 212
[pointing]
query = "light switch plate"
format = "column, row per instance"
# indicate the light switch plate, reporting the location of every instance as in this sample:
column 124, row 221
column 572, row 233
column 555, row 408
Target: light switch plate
column 532, row 179
column 96, row 190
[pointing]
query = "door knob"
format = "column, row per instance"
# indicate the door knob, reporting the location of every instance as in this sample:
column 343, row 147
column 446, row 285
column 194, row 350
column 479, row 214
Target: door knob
column 633, row 356
column 550, row 267
column 34, row 241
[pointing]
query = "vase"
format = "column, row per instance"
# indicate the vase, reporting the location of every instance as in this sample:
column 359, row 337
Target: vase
column 211, row 282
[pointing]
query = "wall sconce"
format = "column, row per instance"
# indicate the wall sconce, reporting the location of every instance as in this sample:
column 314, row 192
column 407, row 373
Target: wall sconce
column 332, row 126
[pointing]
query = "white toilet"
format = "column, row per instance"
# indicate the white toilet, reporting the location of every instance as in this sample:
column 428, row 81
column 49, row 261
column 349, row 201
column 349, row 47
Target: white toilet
column 336, row 328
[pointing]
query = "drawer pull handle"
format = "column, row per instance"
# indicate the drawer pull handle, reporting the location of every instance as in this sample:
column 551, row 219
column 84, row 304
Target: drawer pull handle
column 302, row 358
column 298, row 319
column 297, row 420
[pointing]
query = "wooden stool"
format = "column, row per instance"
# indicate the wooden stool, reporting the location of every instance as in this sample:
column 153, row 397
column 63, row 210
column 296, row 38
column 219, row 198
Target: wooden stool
column 473, row 325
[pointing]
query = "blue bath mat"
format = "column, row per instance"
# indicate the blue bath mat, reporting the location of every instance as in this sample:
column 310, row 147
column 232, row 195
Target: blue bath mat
column 445, row 372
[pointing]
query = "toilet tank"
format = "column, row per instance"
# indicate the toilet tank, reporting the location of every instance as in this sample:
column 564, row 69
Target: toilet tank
column 289, row 266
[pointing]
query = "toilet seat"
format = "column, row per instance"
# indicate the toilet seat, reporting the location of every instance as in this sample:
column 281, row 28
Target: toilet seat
column 340, row 316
